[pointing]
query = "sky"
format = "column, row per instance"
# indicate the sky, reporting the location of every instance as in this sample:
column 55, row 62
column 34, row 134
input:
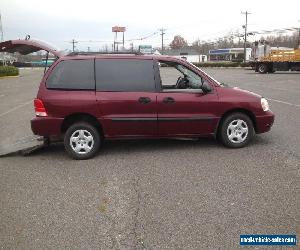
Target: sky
column 60, row 21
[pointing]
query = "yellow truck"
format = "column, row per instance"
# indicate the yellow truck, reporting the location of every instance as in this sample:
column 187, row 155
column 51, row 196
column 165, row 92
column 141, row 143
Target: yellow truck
column 268, row 60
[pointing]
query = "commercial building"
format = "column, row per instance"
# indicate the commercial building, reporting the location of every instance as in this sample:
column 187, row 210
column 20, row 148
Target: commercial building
column 231, row 54
column 189, row 54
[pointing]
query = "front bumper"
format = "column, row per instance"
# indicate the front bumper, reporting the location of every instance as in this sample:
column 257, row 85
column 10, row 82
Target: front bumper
column 46, row 126
column 264, row 122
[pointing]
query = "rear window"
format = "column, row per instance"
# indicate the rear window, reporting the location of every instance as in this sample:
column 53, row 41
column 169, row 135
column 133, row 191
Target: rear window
column 124, row 75
column 72, row 74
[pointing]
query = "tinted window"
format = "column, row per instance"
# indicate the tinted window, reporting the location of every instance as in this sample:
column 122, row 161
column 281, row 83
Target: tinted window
column 72, row 74
column 124, row 75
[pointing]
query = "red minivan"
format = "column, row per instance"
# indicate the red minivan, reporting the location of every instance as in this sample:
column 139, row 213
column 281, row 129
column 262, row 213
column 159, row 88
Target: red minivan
column 84, row 99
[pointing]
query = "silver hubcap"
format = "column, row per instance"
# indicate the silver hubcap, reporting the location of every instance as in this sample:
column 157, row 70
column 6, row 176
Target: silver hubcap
column 262, row 68
column 82, row 141
column 237, row 131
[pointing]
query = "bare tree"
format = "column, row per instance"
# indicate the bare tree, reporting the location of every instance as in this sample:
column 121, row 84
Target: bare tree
column 290, row 41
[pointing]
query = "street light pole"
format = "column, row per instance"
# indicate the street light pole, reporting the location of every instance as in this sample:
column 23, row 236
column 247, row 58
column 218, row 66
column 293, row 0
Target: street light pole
column 246, row 13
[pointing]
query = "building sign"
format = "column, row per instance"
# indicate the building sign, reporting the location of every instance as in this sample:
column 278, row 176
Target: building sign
column 219, row 51
column 145, row 49
column 118, row 29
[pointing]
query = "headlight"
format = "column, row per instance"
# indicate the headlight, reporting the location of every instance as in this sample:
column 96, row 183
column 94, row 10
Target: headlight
column 264, row 104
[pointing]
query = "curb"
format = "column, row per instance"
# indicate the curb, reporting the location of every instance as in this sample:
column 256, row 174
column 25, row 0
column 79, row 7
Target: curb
column 9, row 76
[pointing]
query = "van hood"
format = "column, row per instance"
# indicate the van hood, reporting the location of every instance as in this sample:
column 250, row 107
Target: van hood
column 236, row 92
column 247, row 92
column 27, row 46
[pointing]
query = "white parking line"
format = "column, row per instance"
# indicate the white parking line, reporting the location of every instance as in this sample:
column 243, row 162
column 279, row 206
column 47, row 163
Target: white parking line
column 287, row 103
column 15, row 108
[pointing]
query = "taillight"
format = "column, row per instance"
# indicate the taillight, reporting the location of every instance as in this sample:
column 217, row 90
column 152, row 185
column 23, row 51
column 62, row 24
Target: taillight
column 39, row 108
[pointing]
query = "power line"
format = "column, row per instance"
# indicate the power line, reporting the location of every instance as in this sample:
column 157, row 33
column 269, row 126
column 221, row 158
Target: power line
column 142, row 38
column 126, row 40
column 283, row 30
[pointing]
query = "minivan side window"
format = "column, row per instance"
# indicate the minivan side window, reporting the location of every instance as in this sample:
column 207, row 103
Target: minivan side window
column 177, row 77
column 72, row 74
column 124, row 75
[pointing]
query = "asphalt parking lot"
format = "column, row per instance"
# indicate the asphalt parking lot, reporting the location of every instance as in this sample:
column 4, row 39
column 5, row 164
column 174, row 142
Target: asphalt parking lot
column 158, row 194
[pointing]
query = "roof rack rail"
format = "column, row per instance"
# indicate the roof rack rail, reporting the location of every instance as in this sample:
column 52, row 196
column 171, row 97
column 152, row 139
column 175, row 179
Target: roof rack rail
column 105, row 53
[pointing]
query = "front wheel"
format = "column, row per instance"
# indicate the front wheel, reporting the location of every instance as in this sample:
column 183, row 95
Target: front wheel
column 236, row 130
column 82, row 141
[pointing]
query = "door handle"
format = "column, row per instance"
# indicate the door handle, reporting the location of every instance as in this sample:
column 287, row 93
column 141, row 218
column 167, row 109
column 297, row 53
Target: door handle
column 144, row 100
column 168, row 100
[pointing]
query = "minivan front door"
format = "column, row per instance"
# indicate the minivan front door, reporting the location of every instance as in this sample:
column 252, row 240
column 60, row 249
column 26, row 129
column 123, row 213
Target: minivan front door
column 126, row 98
column 186, row 114
column 183, row 108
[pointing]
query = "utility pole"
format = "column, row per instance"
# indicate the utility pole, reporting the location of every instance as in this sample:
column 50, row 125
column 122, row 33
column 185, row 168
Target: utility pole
column 246, row 13
column 162, row 30
column 73, row 44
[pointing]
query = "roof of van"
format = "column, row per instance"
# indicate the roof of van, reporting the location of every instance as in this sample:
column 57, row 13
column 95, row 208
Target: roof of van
column 120, row 56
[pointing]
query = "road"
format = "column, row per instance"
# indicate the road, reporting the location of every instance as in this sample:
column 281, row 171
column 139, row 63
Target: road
column 165, row 194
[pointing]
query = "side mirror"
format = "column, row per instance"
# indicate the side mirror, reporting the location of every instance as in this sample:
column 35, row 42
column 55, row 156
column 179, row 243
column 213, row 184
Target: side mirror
column 206, row 88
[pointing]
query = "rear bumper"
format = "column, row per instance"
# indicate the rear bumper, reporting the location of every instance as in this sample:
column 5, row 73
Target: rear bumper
column 264, row 122
column 46, row 126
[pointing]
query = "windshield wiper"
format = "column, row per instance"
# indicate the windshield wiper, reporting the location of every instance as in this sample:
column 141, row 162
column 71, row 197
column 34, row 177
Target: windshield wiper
column 223, row 84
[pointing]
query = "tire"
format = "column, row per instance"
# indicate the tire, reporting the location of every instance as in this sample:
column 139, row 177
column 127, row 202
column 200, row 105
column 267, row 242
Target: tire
column 82, row 141
column 262, row 68
column 236, row 130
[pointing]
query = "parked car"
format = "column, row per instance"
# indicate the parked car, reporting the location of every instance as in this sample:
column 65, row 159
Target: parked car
column 85, row 99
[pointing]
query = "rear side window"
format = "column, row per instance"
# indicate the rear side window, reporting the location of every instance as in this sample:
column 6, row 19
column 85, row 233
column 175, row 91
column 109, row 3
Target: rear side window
column 72, row 74
column 124, row 75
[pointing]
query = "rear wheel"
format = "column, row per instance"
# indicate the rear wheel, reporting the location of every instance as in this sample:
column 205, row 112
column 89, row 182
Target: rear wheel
column 236, row 130
column 82, row 141
column 262, row 68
